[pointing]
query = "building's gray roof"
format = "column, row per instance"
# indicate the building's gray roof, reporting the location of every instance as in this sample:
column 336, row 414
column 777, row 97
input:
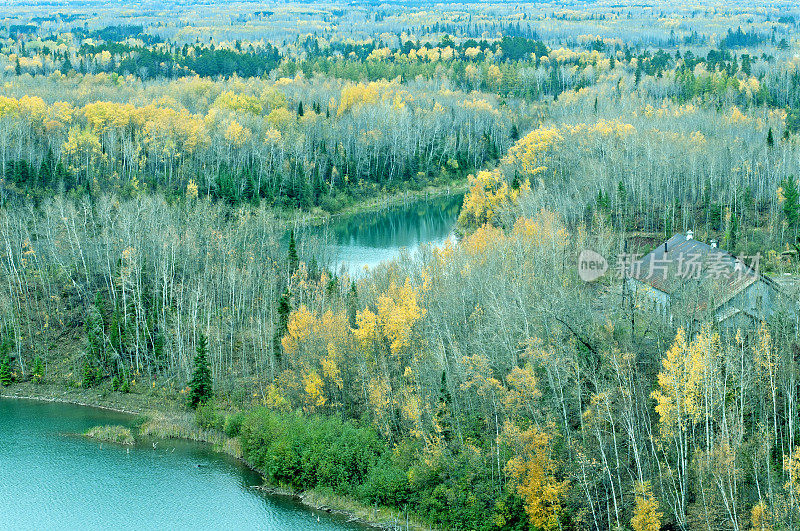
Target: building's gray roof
column 674, row 263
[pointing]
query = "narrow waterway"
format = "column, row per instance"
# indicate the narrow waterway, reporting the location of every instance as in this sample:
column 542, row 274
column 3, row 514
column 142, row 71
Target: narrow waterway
column 361, row 241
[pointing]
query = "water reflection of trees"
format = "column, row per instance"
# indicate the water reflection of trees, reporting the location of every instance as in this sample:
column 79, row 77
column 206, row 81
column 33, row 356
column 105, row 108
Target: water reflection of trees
column 399, row 226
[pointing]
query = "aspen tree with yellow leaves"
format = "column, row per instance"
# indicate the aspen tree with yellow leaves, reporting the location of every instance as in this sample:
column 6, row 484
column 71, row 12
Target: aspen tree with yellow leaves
column 646, row 516
column 533, row 474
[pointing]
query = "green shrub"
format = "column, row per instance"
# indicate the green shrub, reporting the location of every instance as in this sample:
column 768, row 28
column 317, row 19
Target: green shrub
column 233, row 424
column 305, row 453
column 454, row 491
column 208, row 418
column 121, row 382
column 37, row 373
column 386, row 484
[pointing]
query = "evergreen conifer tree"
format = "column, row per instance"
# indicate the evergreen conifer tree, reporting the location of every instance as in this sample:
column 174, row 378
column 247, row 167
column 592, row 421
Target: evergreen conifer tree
column 6, row 376
column 791, row 208
column 284, row 309
column 201, row 384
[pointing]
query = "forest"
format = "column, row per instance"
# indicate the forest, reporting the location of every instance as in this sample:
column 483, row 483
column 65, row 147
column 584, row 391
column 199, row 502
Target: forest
column 160, row 168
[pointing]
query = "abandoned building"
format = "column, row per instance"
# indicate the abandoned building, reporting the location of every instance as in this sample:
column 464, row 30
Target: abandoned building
column 693, row 280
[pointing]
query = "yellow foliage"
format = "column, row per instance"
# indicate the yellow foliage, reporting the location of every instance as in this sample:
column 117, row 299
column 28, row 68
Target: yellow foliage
column 280, row 118
column 191, row 189
column 398, row 311
column 8, row 106
column 522, row 388
column 315, row 396
column 236, row 134
column 104, row 115
column 792, row 467
column 544, row 229
column 737, row 116
column 529, row 151
column 59, row 112
column 488, row 193
column 532, row 473
column 685, row 369
column 83, row 145
column 272, row 136
column 479, row 376
column 355, row 95
column 763, row 354
column 472, row 53
column 411, row 409
column 272, row 98
column 646, row 516
column 494, row 74
column 367, row 330
column 33, row 108
column 482, row 240
column 238, row 102
column 760, row 518
column 330, row 366
column 379, row 54
column 274, row 399
column 379, row 397
column 298, row 329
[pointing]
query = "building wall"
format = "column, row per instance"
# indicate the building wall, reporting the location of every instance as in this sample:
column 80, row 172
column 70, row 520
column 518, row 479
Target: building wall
column 657, row 300
column 756, row 303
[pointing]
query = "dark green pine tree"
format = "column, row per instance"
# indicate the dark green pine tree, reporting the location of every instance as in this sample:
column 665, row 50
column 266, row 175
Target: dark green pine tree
column 770, row 138
column 201, row 385
column 300, row 111
column 791, row 208
column 6, row 376
column 92, row 374
column 37, row 374
column 603, row 202
column 294, row 260
column 352, row 304
column 284, row 309
column 731, row 233
column 443, row 414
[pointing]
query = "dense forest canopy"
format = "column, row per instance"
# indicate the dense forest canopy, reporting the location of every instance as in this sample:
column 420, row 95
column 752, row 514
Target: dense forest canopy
column 156, row 160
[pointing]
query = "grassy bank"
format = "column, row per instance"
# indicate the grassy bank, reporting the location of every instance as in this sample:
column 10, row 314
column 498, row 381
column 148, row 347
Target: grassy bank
column 162, row 418
column 112, row 434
